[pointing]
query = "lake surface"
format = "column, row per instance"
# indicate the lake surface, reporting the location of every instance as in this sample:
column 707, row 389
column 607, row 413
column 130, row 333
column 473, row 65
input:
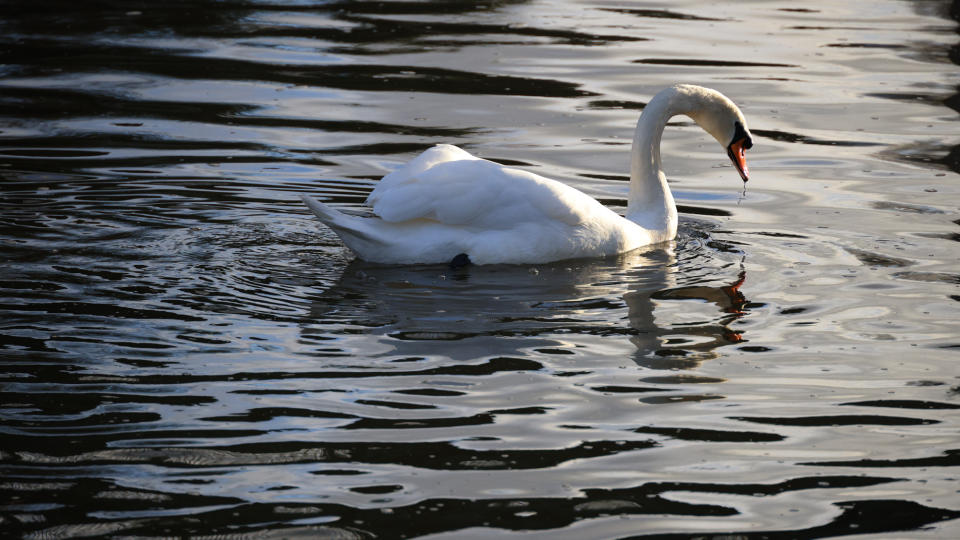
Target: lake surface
column 187, row 352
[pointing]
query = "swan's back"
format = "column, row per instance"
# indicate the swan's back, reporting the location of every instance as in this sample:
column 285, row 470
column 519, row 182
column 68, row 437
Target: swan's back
column 450, row 186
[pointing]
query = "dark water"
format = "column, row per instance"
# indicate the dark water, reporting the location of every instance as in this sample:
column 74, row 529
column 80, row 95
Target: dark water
column 186, row 352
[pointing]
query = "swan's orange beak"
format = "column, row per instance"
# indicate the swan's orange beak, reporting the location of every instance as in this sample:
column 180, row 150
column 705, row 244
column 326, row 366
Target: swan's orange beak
column 736, row 152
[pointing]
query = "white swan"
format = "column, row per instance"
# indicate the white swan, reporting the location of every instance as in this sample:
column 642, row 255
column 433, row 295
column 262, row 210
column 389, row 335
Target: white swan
column 447, row 206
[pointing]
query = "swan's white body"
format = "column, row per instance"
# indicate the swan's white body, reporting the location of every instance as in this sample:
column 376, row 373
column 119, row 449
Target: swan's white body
column 447, row 202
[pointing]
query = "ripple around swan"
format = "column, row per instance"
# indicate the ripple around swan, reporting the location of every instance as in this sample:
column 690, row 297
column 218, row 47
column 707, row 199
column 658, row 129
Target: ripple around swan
column 187, row 353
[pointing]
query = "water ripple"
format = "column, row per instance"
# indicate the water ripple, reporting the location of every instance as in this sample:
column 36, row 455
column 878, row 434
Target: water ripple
column 188, row 353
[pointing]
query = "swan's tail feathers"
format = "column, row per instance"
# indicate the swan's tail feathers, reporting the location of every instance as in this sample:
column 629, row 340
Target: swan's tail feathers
column 322, row 211
column 349, row 228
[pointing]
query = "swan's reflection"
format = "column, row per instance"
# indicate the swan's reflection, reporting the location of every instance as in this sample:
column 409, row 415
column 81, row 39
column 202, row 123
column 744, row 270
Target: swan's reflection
column 509, row 310
column 685, row 345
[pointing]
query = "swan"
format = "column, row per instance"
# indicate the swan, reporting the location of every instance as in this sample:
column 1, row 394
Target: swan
column 448, row 206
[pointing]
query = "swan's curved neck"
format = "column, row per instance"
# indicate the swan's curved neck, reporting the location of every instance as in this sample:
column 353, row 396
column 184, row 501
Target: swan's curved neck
column 650, row 203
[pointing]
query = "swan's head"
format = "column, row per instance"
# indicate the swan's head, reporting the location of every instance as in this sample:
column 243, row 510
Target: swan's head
column 720, row 117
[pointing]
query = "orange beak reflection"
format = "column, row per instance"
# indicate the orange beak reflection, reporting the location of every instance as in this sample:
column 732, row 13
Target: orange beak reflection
column 736, row 152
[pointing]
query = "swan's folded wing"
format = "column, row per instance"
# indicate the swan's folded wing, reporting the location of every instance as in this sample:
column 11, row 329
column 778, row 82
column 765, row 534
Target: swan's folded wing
column 411, row 172
column 453, row 192
column 476, row 193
